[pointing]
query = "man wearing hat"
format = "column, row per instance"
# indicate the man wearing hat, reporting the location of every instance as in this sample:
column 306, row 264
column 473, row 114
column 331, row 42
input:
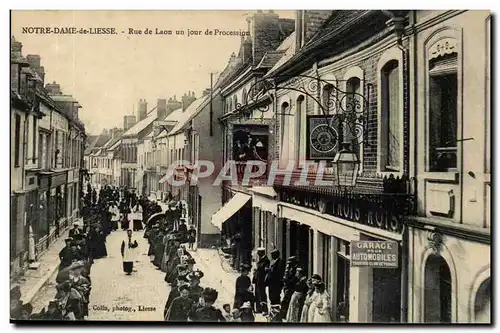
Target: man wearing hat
column 195, row 291
column 289, row 281
column 259, row 279
column 181, row 306
column 75, row 230
column 208, row 313
column 66, row 255
column 175, row 292
column 274, row 277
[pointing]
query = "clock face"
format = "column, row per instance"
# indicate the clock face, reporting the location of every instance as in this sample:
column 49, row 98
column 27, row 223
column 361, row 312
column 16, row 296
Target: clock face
column 323, row 138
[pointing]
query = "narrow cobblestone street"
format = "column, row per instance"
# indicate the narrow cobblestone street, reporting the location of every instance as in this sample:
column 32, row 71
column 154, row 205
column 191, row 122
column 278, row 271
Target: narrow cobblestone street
column 117, row 296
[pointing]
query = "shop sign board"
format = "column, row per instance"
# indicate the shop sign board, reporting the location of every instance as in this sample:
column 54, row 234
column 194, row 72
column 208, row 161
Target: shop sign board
column 374, row 254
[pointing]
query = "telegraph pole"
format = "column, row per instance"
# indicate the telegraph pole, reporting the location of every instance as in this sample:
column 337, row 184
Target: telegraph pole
column 211, row 96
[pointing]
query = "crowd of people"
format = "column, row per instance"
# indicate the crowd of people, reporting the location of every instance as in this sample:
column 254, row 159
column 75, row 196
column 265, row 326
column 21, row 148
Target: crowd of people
column 293, row 296
column 187, row 300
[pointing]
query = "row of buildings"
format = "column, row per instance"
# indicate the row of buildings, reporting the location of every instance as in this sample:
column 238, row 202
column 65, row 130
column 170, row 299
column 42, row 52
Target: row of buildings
column 406, row 92
column 47, row 146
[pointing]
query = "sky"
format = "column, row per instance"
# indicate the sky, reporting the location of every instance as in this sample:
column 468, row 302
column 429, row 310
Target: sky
column 108, row 74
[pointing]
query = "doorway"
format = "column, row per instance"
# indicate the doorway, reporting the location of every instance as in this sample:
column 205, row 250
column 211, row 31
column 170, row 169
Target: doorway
column 437, row 294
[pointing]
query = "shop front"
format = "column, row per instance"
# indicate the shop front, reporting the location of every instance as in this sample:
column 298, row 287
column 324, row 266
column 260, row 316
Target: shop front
column 265, row 220
column 320, row 229
column 234, row 220
column 58, row 197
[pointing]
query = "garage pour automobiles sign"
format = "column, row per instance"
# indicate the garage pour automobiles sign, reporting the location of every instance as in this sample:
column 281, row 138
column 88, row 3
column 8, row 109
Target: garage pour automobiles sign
column 374, row 254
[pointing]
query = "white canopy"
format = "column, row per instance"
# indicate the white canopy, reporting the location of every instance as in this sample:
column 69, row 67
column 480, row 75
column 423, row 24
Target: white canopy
column 229, row 209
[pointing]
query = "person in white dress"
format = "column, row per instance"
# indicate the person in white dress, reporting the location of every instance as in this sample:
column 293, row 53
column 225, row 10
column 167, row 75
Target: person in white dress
column 115, row 216
column 129, row 253
column 319, row 310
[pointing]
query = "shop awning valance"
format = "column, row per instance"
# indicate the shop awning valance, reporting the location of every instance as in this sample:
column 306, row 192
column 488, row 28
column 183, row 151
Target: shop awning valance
column 229, row 209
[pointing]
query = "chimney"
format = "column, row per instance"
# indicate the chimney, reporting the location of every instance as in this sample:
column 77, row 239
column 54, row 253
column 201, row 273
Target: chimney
column 142, row 110
column 173, row 104
column 206, row 92
column 268, row 31
column 53, row 88
column 128, row 122
column 161, row 108
column 16, row 49
column 187, row 99
column 34, row 62
column 312, row 22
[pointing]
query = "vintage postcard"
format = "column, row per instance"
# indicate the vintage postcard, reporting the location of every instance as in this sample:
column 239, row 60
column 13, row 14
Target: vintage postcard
column 260, row 166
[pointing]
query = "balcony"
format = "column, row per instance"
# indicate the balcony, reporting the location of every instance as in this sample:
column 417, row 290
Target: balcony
column 377, row 202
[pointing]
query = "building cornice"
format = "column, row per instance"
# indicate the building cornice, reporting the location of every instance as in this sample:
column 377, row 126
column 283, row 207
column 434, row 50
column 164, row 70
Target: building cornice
column 433, row 19
column 463, row 231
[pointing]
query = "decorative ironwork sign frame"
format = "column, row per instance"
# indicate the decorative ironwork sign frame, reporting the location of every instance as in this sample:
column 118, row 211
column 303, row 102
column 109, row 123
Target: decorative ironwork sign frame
column 344, row 113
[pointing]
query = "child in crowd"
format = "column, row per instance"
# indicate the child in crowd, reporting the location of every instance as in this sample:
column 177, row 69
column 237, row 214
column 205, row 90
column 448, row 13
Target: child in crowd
column 227, row 312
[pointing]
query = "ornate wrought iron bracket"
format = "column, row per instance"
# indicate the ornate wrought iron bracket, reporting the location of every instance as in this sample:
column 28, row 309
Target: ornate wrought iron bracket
column 345, row 112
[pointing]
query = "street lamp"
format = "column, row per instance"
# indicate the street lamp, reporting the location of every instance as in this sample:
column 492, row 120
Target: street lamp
column 347, row 166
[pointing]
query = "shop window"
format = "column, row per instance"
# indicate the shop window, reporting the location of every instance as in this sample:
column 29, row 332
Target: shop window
column 482, row 303
column 17, row 139
column 437, row 292
column 443, row 115
column 390, row 117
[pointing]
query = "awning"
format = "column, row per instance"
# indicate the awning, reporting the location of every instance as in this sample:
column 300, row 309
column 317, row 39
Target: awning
column 163, row 179
column 229, row 209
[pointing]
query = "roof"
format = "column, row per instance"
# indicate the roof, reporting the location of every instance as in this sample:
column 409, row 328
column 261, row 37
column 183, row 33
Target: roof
column 289, row 45
column 63, row 98
column 112, row 141
column 270, row 59
column 91, row 140
column 187, row 115
column 174, row 116
column 115, row 144
column 138, row 127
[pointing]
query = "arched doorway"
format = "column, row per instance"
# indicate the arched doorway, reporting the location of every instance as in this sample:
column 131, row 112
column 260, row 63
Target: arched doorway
column 437, row 295
column 482, row 303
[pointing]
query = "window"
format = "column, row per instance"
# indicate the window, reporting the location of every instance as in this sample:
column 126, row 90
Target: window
column 442, row 120
column 390, row 114
column 235, row 101
column 17, row 139
column 283, row 125
column 34, row 140
column 353, row 103
column 244, row 96
column 329, row 99
column 299, row 130
column 41, row 155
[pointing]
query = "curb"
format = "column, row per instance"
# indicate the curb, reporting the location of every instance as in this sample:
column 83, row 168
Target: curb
column 43, row 281
column 40, row 284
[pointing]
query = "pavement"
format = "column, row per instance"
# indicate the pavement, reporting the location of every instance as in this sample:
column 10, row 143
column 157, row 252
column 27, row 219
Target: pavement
column 33, row 280
column 140, row 296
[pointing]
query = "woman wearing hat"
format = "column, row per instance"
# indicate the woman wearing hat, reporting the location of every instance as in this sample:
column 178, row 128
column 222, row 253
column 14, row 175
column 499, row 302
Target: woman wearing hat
column 298, row 297
column 243, row 287
column 247, row 313
column 207, row 312
column 319, row 310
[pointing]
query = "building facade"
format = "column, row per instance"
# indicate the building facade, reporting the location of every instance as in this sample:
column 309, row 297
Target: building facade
column 47, row 155
column 450, row 237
